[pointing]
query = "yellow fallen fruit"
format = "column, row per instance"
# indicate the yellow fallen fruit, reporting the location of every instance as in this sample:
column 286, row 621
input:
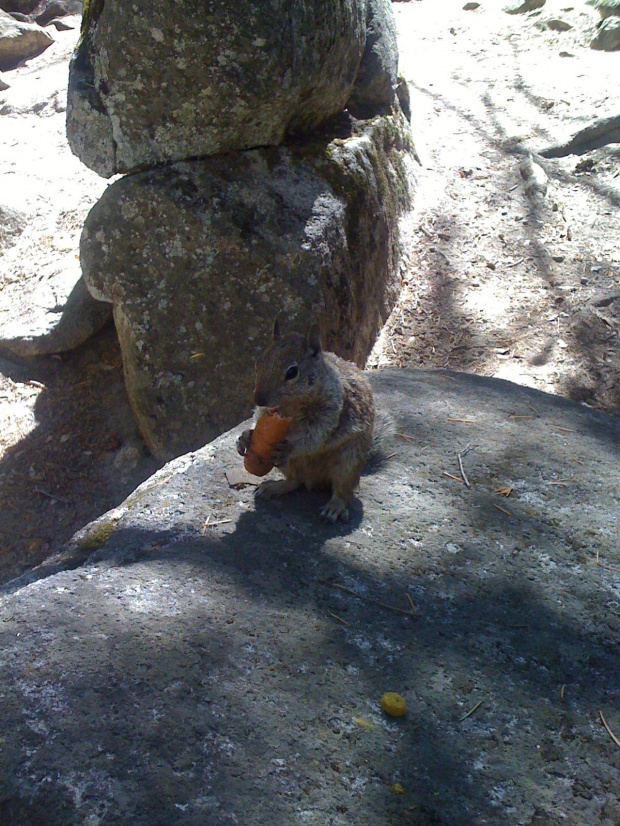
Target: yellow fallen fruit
column 393, row 704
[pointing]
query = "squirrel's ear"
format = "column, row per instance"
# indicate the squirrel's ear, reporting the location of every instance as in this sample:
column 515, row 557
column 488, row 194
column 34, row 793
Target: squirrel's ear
column 313, row 339
column 276, row 330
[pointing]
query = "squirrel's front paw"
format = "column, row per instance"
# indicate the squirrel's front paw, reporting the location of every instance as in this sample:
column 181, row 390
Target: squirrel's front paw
column 243, row 442
column 280, row 453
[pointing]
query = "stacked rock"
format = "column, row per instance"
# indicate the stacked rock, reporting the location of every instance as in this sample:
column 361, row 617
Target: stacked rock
column 267, row 165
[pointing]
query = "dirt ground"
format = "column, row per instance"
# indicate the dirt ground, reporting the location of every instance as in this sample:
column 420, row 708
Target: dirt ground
column 498, row 282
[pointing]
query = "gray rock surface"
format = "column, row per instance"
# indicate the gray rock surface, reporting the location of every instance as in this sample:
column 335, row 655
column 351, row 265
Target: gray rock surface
column 377, row 77
column 58, row 8
column 607, row 38
column 175, row 81
column 198, row 259
column 19, row 41
column 523, row 6
column 191, row 660
column 19, row 6
column 60, row 315
column 558, row 25
column 599, row 133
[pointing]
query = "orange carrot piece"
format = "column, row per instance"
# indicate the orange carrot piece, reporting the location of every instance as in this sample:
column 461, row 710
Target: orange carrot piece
column 269, row 430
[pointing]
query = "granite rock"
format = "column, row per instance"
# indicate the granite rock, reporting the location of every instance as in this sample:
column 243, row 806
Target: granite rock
column 19, row 41
column 195, row 657
column 199, row 257
column 377, row 77
column 181, row 80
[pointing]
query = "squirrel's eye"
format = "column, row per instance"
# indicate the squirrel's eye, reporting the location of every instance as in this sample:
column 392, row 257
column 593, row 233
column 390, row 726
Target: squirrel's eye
column 291, row 373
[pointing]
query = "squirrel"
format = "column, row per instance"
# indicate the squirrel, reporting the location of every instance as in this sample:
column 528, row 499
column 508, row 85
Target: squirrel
column 331, row 407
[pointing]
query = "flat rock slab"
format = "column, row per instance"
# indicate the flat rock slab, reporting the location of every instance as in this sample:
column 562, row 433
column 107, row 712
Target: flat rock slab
column 197, row 658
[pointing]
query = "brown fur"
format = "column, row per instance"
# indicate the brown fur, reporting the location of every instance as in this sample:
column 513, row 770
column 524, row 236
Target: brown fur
column 331, row 406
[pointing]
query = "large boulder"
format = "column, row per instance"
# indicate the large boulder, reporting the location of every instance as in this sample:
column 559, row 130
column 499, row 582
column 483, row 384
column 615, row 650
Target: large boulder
column 19, row 41
column 180, row 80
column 19, row 6
column 58, row 8
column 199, row 257
column 377, row 78
column 607, row 38
column 196, row 657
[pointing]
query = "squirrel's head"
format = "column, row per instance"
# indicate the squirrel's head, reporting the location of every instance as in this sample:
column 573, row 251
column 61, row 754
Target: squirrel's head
column 289, row 368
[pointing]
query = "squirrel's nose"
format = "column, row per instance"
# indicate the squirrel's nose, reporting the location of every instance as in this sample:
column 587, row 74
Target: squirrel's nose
column 260, row 399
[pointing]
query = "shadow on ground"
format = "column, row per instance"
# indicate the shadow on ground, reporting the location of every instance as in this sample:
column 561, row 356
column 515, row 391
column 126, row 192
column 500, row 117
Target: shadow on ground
column 82, row 457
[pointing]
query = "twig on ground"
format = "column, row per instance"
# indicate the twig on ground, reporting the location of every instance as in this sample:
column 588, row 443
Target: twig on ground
column 462, row 421
column 609, row 731
column 605, row 565
column 466, row 481
column 503, row 510
column 471, row 711
column 451, row 476
column 405, row 437
column 460, row 456
column 369, row 599
column 410, row 601
column 336, row 617
column 208, row 524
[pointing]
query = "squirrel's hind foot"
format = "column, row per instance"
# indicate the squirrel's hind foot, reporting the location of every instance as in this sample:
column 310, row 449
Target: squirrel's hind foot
column 335, row 509
column 276, row 487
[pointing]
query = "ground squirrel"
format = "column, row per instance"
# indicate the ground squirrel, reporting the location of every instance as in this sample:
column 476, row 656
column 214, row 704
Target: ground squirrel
column 331, row 406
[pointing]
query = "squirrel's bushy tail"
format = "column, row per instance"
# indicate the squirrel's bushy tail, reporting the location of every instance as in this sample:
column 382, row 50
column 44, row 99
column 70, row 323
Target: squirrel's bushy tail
column 382, row 435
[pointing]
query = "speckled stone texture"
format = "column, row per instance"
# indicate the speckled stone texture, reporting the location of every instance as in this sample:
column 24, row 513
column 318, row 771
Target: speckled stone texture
column 377, row 77
column 189, row 660
column 170, row 81
column 198, row 259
